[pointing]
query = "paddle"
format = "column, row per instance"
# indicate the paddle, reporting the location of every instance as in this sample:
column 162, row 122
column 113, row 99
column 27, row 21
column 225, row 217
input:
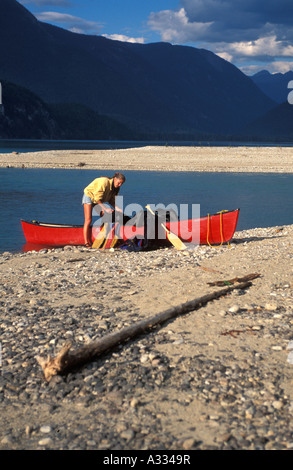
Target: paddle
column 106, row 238
column 179, row 245
column 111, row 238
column 104, row 233
column 98, row 242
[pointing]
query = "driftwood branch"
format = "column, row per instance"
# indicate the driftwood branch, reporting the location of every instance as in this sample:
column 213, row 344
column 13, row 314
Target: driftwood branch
column 66, row 360
column 248, row 277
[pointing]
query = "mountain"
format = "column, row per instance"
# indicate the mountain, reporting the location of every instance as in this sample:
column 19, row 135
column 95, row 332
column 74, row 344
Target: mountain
column 151, row 88
column 26, row 116
column 275, row 86
column 79, row 122
column 275, row 125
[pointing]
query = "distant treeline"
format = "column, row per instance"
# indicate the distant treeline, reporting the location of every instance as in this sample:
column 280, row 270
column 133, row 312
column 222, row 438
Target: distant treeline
column 26, row 116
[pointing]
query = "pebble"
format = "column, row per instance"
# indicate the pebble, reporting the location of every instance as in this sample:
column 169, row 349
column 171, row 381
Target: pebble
column 234, row 309
column 290, row 357
column 113, row 402
column 134, row 403
column 128, row 434
column 271, row 306
column 47, row 442
column 189, row 444
column 45, row 429
column 144, row 358
column 6, row 441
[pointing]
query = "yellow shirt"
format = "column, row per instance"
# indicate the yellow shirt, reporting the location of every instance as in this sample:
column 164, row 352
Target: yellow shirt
column 102, row 189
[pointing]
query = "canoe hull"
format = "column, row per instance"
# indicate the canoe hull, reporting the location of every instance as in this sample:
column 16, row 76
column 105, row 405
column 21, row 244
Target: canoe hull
column 214, row 230
column 210, row 230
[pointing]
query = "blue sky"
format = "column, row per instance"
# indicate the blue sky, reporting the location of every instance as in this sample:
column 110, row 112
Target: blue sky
column 252, row 34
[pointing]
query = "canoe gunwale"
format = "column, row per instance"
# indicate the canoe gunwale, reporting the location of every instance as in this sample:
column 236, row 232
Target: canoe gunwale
column 50, row 225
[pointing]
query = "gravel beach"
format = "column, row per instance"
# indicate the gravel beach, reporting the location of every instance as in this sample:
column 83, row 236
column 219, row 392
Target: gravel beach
column 217, row 378
column 160, row 158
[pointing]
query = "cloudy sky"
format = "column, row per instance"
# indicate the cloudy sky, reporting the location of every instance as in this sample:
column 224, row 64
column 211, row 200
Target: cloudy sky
column 252, row 34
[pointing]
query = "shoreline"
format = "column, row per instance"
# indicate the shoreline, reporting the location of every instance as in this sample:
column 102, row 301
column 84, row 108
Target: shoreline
column 157, row 158
column 218, row 378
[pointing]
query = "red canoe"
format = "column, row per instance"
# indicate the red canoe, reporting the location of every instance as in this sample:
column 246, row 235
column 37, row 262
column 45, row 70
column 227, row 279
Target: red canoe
column 213, row 230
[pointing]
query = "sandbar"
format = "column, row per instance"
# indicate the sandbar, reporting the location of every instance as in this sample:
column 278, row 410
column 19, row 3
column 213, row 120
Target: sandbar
column 258, row 159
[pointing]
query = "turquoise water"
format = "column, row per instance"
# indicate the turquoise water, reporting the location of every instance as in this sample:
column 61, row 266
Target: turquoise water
column 54, row 196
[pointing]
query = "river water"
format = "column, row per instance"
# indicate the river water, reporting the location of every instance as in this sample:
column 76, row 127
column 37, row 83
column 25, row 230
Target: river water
column 54, row 196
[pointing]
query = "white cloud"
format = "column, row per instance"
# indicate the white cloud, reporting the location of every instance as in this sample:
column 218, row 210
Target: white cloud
column 123, row 38
column 236, row 30
column 175, row 26
column 266, row 46
column 252, row 56
column 274, row 67
column 225, row 55
column 72, row 23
